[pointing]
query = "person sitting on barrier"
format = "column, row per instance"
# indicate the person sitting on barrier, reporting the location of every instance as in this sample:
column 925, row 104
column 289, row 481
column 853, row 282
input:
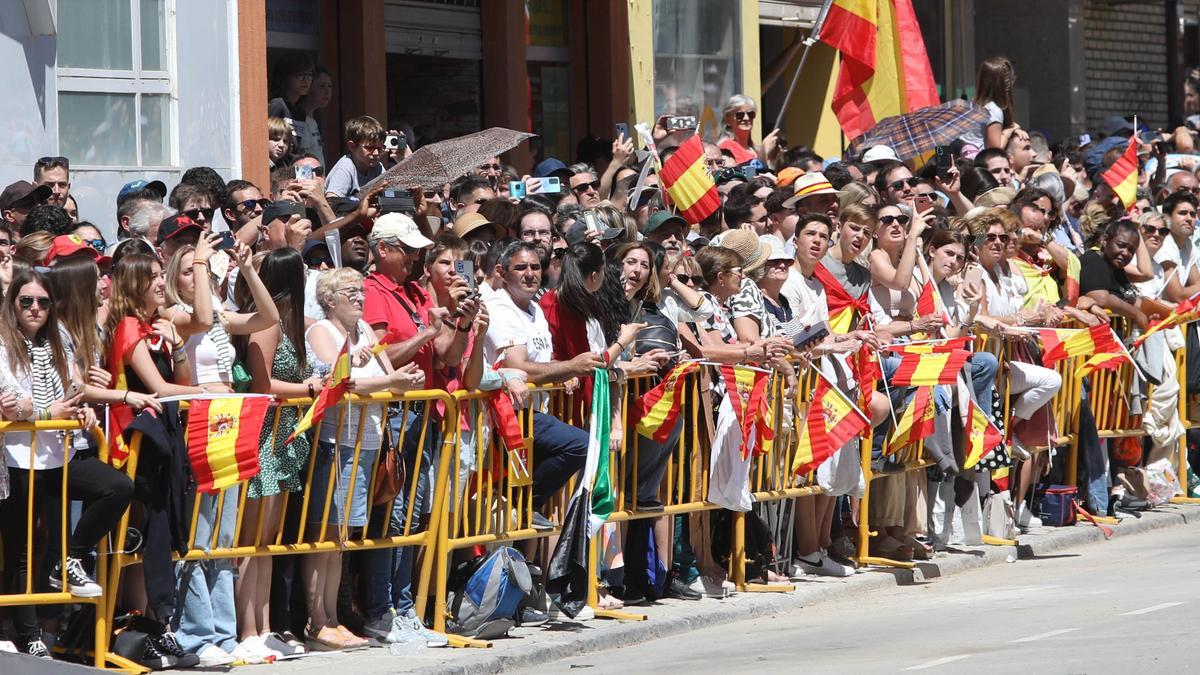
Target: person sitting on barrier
column 348, row 445
column 39, row 381
column 519, row 336
column 278, row 365
column 1102, row 275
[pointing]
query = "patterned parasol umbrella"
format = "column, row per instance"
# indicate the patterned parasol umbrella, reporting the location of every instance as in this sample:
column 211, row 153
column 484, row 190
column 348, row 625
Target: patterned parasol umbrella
column 442, row 162
column 916, row 133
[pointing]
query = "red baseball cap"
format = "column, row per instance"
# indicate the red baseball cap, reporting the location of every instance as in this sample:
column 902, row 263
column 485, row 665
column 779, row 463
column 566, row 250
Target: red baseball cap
column 70, row 244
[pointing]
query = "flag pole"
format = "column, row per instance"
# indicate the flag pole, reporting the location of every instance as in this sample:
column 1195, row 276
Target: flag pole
column 887, row 391
column 809, row 41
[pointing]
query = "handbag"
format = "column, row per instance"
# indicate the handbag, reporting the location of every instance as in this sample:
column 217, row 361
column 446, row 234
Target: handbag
column 241, row 378
column 389, row 473
column 999, row 516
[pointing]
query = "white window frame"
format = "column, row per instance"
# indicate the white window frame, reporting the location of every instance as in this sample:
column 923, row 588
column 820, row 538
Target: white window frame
column 133, row 81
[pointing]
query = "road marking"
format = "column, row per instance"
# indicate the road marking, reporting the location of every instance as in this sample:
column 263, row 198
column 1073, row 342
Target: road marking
column 1042, row 636
column 937, row 662
column 1155, row 608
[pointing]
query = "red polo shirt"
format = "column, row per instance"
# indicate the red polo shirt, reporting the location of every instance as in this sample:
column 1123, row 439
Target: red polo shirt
column 403, row 309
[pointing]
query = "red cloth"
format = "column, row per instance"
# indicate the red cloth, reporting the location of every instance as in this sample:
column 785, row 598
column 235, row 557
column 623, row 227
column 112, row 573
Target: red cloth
column 741, row 154
column 569, row 331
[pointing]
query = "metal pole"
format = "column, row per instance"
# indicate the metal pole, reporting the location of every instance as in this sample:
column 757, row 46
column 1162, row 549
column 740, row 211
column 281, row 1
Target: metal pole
column 809, row 41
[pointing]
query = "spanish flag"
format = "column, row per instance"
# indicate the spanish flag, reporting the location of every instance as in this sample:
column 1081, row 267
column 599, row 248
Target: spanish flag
column 843, row 308
column 1095, row 340
column 832, row 422
column 1042, row 286
column 1184, row 312
column 885, row 70
column 864, row 365
column 982, row 436
column 685, row 178
column 916, row 423
column 1072, row 282
column 128, row 333
column 746, row 390
column 223, row 438
column 1102, row 361
column 659, row 409
column 331, row 395
column 920, row 370
column 931, row 347
column 1122, row 176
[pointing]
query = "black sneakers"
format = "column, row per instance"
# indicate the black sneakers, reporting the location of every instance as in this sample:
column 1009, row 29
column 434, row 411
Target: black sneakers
column 37, row 648
column 79, row 582
column 168, row 645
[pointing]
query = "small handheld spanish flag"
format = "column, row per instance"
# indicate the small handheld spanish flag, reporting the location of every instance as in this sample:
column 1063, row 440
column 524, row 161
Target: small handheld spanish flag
column 1122, row 176
column 687, row 181
column 331, row 395
column 223, row 436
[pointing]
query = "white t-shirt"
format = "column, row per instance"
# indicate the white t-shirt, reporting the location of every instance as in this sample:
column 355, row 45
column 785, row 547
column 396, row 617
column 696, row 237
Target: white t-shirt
column 806, row 298
column 1183, row 258
column 978, row 136
column 50, row 451
column 372, row 437
column 511, row 326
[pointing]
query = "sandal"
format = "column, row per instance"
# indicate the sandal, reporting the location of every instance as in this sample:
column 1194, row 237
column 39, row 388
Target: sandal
column 608, row 601
column 352, row 641
column 889, row 548
column 327, row 639
column 920, row 550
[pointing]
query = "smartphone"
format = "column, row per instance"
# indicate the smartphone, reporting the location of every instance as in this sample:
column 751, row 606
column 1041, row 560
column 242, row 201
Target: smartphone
column 675, row 123
column 942, row 161
column 516, row 189
column 226, row 242
column 392, row 141
column 304, row 172
column 396, row 201
column 811, row 335
column 549, row 185
column 1085, row 139
column 466, row 270
column 72, row 391
column 622, row 129
column 750, row 171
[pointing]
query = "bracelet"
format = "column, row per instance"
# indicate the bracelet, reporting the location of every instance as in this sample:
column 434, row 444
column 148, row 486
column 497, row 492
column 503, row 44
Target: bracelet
column 177, row 345
column 202, row 262
column 44, row 414
column 461, row 329
column 312, row 393
column 125, row 398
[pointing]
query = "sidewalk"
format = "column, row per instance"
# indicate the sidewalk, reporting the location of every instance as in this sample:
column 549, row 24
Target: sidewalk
column 527, row 647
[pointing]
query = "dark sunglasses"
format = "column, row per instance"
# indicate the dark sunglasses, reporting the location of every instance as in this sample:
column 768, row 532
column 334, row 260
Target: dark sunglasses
column 1002, row 237
column 97, row 244
column 47, row 162
column 251, row 203
column 1162, row 231
column 694, row 278
column 899, row 184
column 559, row 252
column 27, row 301
column 888, row 220
column 743, row 115
column 195, row 214
column 583, row 187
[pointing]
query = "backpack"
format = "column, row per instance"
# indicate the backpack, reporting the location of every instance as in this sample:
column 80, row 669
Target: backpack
column 487, row 593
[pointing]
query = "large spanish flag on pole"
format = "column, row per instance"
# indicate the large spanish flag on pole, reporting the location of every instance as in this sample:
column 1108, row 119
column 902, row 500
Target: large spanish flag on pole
column 128, row 333
column 1122, row 176
column 685, row 177
column 885, row 69
column 223, row 438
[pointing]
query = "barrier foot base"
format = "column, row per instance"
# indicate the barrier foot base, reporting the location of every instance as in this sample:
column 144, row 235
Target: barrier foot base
column 997, row 541
column 466, row 642
column 886, row 562
column 1106, row 520
column 123, row 664
column 618, row 615
column 766, row 588
column 1185, row 500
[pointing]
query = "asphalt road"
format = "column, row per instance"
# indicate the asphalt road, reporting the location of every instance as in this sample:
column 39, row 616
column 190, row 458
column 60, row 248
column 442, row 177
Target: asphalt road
column 1131, row 605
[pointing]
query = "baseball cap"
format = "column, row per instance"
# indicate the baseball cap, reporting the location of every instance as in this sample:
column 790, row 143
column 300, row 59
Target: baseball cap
column 551, row 167
column 134, row 186
column 23, row 193
column 1115, row 124
column 880, row 153
column 778, row 252
column 662, row 218
column 787, row 176
column 70, row 244
column 469, row 222
column 172, row 226
column 399, row 227
column 577, row 233
column 808, row 185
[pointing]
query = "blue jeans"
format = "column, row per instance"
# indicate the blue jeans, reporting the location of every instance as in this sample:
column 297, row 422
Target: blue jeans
column 204, row 592
column 559, row 452
column 388, row 572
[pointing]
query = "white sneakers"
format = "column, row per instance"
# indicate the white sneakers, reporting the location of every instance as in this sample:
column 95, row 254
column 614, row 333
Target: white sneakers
column 254, row 650
column 1025, row 518
column 212, row 656
column 822, row 565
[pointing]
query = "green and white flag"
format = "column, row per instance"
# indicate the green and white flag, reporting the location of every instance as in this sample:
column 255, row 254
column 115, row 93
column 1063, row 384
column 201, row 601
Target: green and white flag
column 596, row 477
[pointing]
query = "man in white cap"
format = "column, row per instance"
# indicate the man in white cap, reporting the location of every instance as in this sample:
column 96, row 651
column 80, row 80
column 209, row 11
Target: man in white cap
column 879, row 154
column 814, row 194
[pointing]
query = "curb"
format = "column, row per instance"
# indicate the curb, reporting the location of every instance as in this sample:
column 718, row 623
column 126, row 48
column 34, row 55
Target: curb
column 539, row 646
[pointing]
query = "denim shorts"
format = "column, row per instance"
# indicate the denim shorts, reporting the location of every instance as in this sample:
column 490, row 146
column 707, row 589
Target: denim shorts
column 362, row 477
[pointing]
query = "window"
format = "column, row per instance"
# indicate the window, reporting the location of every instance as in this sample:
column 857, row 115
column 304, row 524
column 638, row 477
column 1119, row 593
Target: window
column 115, row 104
column 697, row 58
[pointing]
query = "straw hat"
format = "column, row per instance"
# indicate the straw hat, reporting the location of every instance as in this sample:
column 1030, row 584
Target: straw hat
column 745, row 242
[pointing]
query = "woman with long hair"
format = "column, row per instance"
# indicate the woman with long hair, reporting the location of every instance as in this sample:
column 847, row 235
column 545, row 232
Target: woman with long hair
column 340, row 294
column 278, row 365
column 994, row 85
column 39, row 382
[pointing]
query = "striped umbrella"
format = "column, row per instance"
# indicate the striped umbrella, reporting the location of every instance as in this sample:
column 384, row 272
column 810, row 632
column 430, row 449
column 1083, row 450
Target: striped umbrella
column 917, row 133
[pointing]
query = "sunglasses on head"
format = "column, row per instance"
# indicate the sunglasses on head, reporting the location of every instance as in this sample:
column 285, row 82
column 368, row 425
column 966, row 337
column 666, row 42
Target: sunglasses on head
column 1161, row 231
column 27, row 301
column 888, row 220
column 583, row 187
column 743, row 115
column 899, row 184
column 47, row 162
column 195, row 214
column 696, row 279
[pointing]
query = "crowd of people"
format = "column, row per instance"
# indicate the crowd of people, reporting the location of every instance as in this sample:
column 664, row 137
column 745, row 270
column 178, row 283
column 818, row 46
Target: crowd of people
column 230, row 286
